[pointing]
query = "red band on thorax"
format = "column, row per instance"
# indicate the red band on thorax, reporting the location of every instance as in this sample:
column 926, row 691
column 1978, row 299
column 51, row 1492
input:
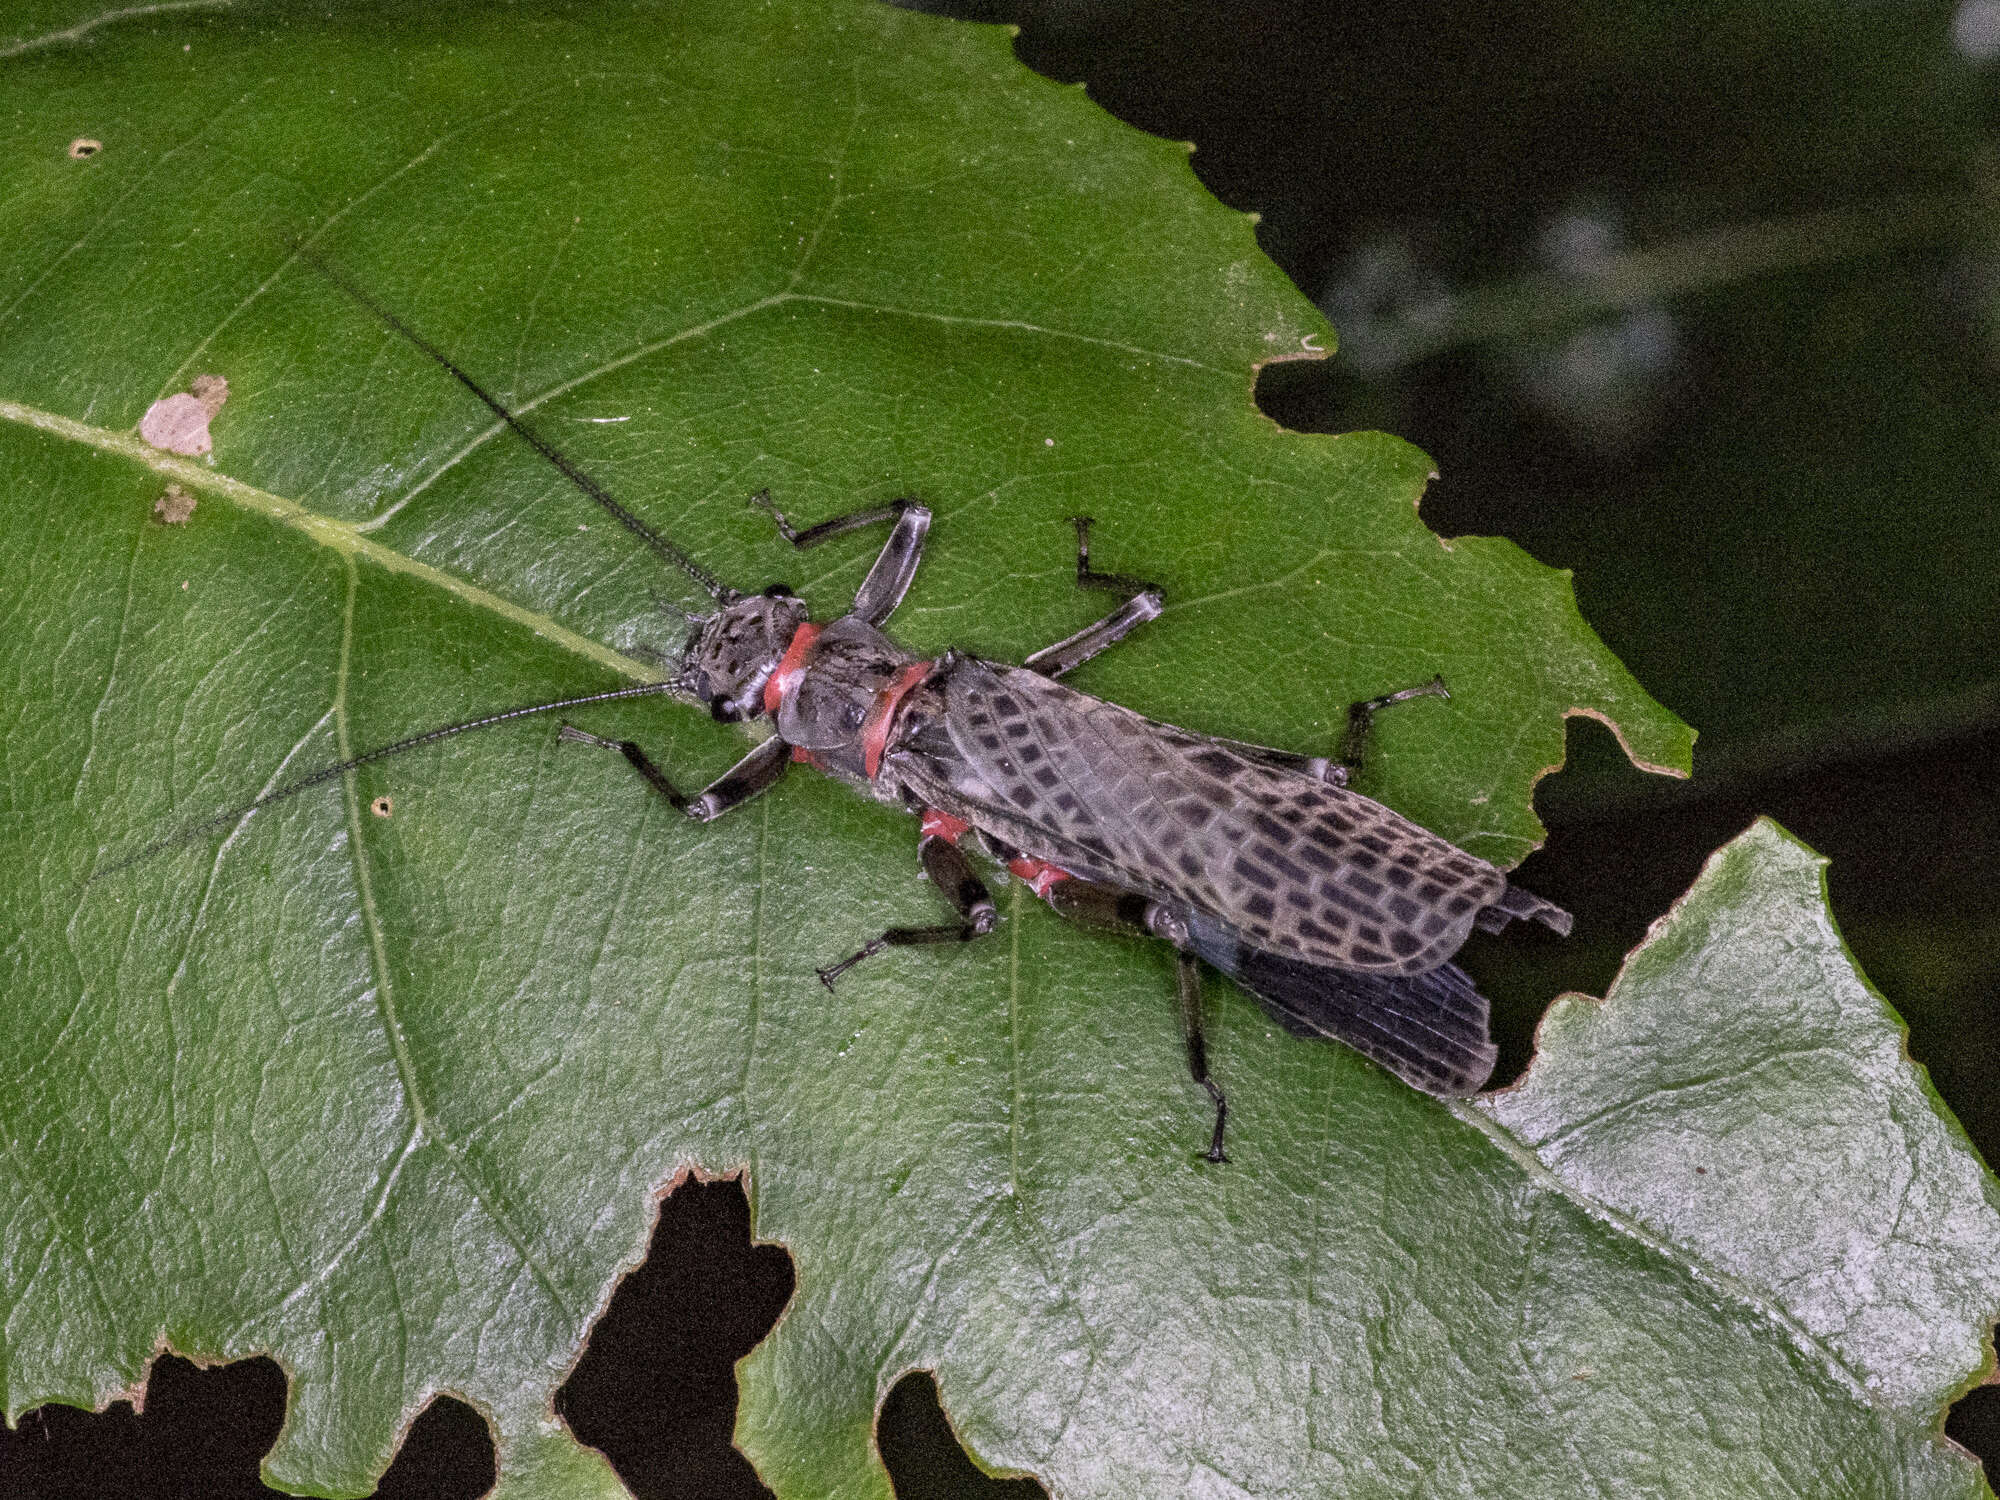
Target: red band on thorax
column 882, row 717
column 784, row 677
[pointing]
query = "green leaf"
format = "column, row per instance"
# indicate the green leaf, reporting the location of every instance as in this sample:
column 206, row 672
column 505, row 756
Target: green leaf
column 390, row 1097
column 1743, row 1099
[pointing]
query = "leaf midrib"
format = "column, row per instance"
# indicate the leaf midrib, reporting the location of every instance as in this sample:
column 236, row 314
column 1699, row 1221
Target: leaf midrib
column 344, row 538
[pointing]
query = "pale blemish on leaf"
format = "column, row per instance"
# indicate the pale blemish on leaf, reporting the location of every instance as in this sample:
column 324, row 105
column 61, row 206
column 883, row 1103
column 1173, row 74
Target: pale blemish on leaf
column 179, row 423
column 174, row 507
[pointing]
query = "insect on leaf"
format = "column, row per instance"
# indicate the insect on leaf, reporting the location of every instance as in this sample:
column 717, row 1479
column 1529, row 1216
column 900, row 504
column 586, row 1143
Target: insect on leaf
column 389, row 1096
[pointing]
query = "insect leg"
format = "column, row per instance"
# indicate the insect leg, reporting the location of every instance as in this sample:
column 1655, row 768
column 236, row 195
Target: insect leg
column 883, row 589
column 1187, row 977
column 1353, row 745
column 756, row 772
column 1145, row 602
column 1361, row 720
column 952, row 873
column 1110, row 909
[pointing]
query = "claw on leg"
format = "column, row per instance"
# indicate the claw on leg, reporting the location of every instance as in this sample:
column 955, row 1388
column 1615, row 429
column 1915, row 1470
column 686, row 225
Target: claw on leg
column 952, row 873
column 1361, row 718
column 831, row 972
column 763, row 501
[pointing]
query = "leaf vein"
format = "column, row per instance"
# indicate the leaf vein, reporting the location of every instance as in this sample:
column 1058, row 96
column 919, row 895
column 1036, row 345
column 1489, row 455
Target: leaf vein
column 82, row 29
column 174, row 381
column 562, row 388
column 1672, row 1251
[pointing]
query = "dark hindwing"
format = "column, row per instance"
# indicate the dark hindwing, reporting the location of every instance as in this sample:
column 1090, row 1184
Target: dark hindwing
column 1429, row 1029
column 1297, row 868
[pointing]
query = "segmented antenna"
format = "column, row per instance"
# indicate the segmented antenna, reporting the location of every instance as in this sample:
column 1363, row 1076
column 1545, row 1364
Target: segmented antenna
column 710, row 584
column 326, row 773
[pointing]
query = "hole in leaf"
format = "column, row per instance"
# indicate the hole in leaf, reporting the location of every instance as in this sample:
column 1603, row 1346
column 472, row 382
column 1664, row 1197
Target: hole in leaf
column 923, row 1455
column 1974, row 1423
column 1309, row 395
column 204, row 1432
column 83, row 148
column 655, row 1391
column 382, row 807
column 448, row 1455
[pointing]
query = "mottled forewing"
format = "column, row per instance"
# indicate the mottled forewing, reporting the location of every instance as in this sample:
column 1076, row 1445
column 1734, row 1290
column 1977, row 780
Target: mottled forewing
column 1296, row 866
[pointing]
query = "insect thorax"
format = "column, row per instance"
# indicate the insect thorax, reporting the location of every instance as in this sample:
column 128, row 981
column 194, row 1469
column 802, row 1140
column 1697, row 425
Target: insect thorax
column 841, row 703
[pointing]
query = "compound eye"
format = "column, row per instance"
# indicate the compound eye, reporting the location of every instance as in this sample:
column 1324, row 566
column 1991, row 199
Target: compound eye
column 779, row 591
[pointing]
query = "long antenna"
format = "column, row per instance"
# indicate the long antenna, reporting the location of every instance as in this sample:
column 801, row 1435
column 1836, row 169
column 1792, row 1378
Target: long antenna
column 710, row 584
column 326, row 773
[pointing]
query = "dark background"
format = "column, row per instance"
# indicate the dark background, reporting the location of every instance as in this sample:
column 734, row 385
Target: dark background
column 1694, row 300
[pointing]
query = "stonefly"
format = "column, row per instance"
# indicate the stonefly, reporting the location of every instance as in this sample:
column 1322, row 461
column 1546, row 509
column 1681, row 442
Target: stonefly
column 1339, row 915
